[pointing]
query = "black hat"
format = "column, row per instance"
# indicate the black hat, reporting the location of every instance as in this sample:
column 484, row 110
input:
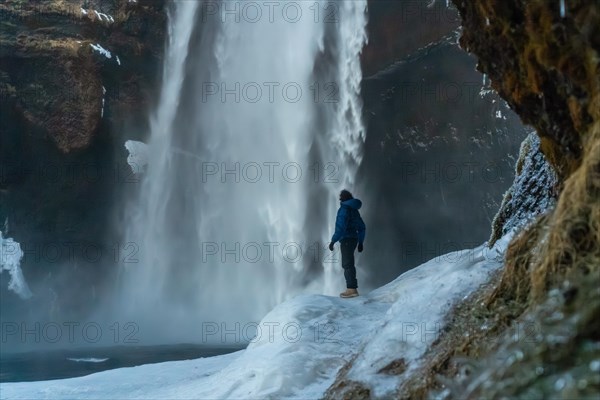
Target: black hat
column 345, row 195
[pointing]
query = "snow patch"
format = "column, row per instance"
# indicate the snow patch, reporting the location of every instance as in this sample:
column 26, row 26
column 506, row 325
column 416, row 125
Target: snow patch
column 101, row 50
column 10, row 260
column 105, row 52
column 106, row 17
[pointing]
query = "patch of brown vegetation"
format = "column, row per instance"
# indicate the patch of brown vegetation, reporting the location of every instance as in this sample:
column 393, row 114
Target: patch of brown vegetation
column 345, row 389
column 573, row 236
column 396, row 367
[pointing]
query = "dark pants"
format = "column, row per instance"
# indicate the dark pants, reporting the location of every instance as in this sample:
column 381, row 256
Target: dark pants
column 348, row 246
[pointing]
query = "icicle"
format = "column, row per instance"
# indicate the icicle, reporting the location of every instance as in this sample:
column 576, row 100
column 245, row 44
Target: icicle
column 103, row 93
column 101, row 50
column 563, row 9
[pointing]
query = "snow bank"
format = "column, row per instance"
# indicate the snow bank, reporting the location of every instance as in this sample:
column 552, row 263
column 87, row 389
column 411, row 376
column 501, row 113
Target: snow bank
column 10, row 260
column 421, row 299
column 142, row 382
column 304, row 342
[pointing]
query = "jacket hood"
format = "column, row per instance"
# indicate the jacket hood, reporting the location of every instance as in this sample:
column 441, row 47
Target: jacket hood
column 354, row 203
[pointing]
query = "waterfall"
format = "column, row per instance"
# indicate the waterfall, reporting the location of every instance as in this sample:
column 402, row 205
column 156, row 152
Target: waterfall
column 257, row 129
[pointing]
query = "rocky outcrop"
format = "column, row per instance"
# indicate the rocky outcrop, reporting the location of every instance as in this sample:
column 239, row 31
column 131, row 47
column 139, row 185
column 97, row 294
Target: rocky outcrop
column 65, row 63
column 536, row 326
column 542, row 58
column 77, row 78
column 532, row 193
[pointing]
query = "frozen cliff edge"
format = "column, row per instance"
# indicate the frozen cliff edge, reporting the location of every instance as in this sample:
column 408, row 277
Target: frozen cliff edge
column 305, row 341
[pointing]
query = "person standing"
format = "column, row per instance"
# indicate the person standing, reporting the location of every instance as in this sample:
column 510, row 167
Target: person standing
column 350, row 231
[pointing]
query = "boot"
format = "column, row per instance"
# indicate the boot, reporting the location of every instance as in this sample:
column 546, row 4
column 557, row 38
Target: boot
column 349, row 293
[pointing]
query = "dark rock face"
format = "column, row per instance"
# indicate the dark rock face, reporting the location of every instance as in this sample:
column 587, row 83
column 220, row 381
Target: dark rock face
column 543, row 58
column 66, row 110
column 541, row 61
column 397, row 28
column 52, row 76
column 439, row 154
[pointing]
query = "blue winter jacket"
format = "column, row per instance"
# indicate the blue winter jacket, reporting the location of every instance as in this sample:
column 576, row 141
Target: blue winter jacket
column 348, row 223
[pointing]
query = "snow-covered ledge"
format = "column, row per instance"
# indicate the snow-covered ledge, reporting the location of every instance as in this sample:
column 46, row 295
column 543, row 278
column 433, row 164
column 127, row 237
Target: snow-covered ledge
column 312, row 337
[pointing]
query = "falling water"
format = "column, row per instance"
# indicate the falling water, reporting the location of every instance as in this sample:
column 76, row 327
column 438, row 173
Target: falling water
column 258, row 127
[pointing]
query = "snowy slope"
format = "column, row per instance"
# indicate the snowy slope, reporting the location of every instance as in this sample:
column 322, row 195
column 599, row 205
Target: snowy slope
column 303, row 343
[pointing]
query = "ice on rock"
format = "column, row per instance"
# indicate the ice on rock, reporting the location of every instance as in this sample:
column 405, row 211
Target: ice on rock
column 101, row 50
column 532, row 192
column 102, row 16
column 138, row 155
column 10, row 261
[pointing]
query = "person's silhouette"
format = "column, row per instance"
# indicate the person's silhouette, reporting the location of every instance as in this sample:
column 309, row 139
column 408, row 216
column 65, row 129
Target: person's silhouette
column 350, row 230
